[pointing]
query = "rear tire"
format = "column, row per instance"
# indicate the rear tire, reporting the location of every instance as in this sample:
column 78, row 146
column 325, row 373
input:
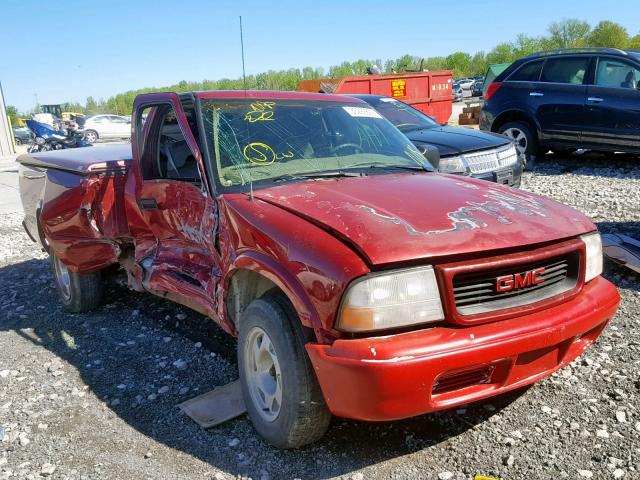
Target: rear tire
column 525, row 138
column 79, row 292
column 279, row 387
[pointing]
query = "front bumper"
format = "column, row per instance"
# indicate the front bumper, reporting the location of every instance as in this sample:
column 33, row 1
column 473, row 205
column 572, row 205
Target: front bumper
column 409, row 374
column 511, row 177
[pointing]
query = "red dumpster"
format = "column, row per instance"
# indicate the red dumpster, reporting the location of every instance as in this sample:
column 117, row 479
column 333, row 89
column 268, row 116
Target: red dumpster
column 429, row 92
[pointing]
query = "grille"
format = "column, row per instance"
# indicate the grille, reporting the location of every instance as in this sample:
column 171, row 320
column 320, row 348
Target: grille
column 489, row 160
column 477, row 293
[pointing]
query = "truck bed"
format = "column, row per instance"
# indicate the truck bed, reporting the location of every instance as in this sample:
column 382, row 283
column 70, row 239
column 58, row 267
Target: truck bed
column 81, row 160
column 74, row 203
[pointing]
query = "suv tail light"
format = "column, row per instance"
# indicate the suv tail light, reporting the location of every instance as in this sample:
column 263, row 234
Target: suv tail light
column 493, row 88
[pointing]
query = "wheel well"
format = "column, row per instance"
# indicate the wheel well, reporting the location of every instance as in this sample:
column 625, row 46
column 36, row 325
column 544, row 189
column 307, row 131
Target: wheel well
column 512, row 116
column 244, row 287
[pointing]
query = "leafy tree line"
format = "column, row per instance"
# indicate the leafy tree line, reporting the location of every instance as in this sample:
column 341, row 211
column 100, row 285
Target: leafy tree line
column 568, row 33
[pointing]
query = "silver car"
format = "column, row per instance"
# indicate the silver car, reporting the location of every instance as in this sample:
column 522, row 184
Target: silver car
column 106, row 127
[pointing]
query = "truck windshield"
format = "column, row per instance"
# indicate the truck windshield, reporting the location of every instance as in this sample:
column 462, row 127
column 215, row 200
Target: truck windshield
column 254, row 141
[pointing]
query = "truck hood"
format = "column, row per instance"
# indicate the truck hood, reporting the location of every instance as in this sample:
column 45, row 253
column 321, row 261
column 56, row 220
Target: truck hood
column 456, row 140
column 403, row 217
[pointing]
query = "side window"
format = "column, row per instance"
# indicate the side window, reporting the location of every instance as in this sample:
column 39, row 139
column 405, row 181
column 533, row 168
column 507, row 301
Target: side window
column 565, row 70
column 115, row 119
column 98, row 120
column 170, row 158
column 614, row 73
column 527, row 73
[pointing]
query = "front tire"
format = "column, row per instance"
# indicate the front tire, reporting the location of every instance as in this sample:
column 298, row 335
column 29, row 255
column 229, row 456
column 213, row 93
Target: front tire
column 525, row 139
column 79, row 292
column 279, row 386
column 91, row 136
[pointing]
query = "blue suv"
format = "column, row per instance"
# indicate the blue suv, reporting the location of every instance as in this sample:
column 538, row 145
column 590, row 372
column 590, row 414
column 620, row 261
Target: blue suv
column 563, row 100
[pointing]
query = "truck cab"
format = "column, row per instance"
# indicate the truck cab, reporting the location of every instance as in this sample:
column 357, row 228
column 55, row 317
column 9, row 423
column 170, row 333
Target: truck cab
column 359, row 282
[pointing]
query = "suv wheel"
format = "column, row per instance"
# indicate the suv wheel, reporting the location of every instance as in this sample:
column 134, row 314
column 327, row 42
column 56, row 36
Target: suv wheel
column 525, row 139
column 279, row 386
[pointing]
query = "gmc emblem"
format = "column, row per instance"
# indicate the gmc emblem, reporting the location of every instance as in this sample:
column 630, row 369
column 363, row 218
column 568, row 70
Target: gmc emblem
column 508, row 283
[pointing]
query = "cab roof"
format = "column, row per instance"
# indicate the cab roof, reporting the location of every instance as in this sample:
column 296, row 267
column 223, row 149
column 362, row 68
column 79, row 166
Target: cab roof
column 283, row 95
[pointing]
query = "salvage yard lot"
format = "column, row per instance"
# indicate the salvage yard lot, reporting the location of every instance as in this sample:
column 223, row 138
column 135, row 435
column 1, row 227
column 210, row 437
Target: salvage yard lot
column 95, row 395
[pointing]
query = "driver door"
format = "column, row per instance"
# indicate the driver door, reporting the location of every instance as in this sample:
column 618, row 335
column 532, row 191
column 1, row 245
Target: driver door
column 174, row 216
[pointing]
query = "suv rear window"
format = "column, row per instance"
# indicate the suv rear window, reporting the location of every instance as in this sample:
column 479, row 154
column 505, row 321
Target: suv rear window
column 613, row 73
column 565, row 70
column 527, row 73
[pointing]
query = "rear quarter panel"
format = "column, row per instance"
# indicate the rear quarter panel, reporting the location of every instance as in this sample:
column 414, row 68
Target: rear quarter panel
column 78, row 217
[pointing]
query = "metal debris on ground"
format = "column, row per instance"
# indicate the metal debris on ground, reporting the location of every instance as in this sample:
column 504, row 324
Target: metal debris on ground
column 623, row 250
column 217, row 406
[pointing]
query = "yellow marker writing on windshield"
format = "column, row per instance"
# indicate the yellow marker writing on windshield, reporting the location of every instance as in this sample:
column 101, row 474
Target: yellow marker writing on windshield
column 262, row 154
column 260, row 112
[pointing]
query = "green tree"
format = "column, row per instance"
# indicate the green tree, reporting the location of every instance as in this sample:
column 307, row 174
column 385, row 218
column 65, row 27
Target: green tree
column 567, row 33
column 459, row 63
column 91, row 106
column 501, row 53
column 436, row 63
column 526, row 45
column 634, row 43
column 12, row 113
column 478, row 65
column 608, row 34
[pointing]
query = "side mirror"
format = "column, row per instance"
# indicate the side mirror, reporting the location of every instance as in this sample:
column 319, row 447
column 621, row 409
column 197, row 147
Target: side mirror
column 431, row 154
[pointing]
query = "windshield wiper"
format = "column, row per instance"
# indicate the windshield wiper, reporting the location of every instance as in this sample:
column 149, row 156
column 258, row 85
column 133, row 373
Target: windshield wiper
column 327, row 174
column 414, row 168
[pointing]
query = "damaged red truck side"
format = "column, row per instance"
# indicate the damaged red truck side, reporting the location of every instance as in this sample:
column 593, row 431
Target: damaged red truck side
column 359, row 283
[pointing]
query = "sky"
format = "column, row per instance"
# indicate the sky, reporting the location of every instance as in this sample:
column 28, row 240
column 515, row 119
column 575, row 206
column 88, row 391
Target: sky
column 67, row 51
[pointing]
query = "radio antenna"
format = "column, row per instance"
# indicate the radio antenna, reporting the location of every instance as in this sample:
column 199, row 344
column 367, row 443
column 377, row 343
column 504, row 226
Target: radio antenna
column 244, row 83
column 244, row 78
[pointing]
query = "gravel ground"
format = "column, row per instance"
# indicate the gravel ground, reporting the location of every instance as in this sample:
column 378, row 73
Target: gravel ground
column 94, row 395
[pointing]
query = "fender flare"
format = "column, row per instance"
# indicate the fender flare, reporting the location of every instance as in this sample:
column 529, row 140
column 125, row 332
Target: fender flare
column 271, row 269
column 529, row 116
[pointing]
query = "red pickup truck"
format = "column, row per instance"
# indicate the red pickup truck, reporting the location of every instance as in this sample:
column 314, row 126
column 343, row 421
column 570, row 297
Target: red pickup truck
column 359, row 282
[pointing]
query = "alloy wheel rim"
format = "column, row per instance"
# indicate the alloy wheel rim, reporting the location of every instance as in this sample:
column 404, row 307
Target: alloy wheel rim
column 518, row 137
column 264, row 377
column 91, row 137
column 63, row 278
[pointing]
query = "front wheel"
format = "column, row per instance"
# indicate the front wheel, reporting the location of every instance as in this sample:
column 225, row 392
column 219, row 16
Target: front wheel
column 91, row 136
column 79, row 292
column 279, row 386
column 525, row 139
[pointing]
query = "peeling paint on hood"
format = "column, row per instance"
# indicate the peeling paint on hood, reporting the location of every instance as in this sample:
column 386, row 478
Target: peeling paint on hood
column 402, row 217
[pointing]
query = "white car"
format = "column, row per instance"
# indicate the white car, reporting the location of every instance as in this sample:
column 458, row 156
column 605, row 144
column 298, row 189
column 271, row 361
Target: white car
column 106, row 126
column 466, row 83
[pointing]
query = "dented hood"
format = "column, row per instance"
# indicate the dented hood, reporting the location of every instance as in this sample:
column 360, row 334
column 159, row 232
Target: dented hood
column 402, row 217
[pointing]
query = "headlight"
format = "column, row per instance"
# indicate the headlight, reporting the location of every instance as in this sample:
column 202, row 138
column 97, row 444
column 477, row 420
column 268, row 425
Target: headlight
column 40, row 141
column 594, row 255
column 452, row 165
column 391, row 300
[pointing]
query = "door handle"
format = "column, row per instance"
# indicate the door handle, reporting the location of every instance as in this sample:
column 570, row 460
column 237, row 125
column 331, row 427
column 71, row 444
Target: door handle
column 594, row 99
column 147, row 204
column 536, row 94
